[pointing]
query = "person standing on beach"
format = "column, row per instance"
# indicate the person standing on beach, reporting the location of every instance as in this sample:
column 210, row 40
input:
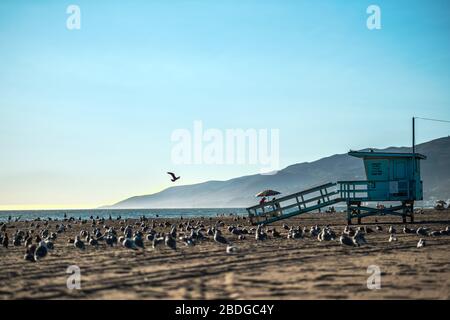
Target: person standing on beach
column 277, row 207
column 262, row 201
column 318, row 203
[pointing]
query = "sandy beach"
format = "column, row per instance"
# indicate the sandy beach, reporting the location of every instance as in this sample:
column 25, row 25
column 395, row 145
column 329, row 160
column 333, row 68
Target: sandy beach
column 277, row 268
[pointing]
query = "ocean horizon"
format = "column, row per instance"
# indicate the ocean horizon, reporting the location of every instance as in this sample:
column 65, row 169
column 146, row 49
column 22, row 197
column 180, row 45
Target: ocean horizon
column 31, row 214
column 23, row 215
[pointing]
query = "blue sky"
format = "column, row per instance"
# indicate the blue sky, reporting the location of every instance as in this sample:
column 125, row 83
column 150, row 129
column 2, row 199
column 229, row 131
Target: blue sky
column 86, row 115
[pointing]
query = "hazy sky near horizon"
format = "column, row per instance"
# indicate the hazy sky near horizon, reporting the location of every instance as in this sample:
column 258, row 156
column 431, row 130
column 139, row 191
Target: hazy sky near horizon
column 86, row 116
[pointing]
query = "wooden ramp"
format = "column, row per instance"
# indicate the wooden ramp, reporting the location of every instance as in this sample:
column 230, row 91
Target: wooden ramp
column 294, row 204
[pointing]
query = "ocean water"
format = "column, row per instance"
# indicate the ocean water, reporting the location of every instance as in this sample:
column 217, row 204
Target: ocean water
column 124, row 213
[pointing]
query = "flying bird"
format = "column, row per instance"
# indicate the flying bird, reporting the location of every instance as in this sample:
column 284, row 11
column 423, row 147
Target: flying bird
column 174, row 178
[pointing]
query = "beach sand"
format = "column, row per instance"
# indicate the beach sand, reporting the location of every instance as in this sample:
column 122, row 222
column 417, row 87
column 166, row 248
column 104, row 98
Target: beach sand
column 273, row 269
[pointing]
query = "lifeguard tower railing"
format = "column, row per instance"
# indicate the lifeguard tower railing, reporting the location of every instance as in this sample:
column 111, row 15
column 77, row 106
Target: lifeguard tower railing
column 294, row 204
column 357, row 193
column 387, row 190
column 353, row 193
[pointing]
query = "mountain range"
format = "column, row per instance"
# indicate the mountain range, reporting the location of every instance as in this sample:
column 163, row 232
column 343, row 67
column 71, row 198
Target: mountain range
column 240, row 192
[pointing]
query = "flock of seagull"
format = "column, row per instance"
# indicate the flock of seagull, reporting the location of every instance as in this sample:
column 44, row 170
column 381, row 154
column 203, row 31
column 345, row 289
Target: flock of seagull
column 39, row 238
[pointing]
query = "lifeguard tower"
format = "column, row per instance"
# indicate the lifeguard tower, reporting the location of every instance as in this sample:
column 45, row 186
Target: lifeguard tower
column 390, row 177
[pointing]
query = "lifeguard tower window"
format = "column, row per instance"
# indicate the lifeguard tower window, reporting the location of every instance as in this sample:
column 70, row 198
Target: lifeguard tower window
column 377, row 169
column 400, row 170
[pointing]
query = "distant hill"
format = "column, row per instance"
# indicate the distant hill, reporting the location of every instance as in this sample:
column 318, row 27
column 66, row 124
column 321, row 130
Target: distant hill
column 239, row 192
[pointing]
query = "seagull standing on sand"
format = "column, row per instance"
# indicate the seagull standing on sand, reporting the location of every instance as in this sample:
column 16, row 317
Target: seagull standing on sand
column 314, row 231
column 197, row 234
column 138, row 241
column 189, row 242
column 326, row 235
column 275, row 233
column 408, row 230
column 17, row 242
column 294, row 233
column 157, row 241
column 78, row 243
column 173, row 231
column 49, row 244
column 128, row 243
column 260, row 234
column 358, row 238
column 170, row 242
column 392, row 238
column 110, row 240
column 174, row 178
column 344, row 240
column 422, row 231
column 29, row 254
column 128, row 232
column 368, row 230
column 232, row 249
column 150, row 236
column 348, row 231
column 219, row 238
column 93, row 242
column 28, row 241
column 421, row 243
column 41, row 251
column 5, row 241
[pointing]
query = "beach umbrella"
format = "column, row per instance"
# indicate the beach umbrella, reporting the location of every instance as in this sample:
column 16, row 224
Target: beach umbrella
column 267, row 193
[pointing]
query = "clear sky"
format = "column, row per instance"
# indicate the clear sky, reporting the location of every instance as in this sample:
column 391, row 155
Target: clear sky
column 86, row 116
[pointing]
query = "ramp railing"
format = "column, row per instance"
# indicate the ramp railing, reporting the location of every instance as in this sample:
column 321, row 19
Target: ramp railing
column 294, row 204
